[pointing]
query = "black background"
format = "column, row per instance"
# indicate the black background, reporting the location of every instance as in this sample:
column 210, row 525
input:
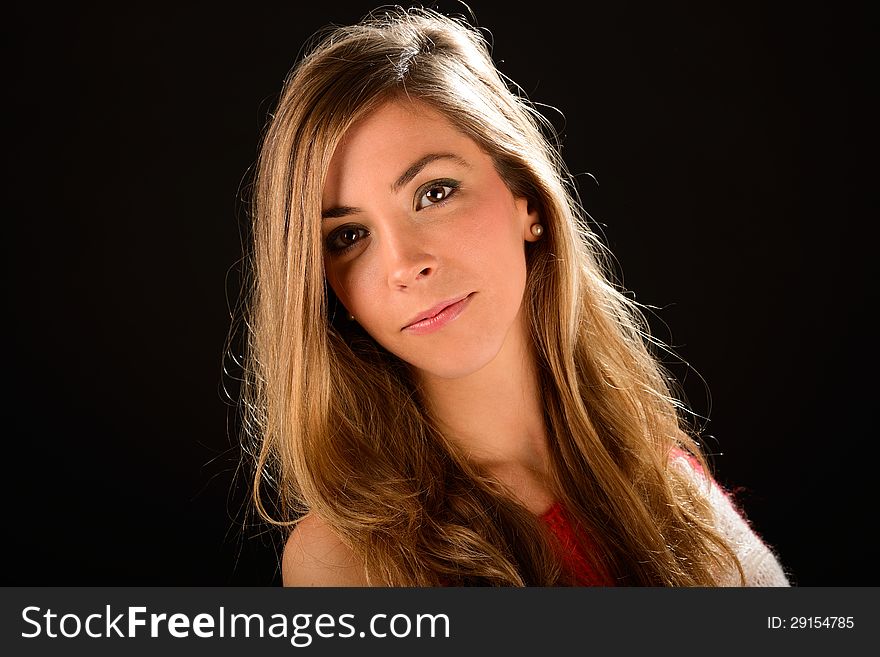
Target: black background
column 721, row 147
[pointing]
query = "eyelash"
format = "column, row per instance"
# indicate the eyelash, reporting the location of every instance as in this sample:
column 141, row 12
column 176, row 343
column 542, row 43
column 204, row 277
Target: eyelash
column 435, row 184
column 333, row 237
column 334, row 247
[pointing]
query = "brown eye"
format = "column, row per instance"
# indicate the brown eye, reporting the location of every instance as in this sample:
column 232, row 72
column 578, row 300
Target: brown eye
column 349, row 236
column 345, row 237
column 435, row 193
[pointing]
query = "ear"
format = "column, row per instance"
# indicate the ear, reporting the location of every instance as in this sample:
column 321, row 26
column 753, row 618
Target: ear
column 529, row 216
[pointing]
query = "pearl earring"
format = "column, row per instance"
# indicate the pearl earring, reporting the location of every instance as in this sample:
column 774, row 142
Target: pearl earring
column 350, row 317
column 537, row 230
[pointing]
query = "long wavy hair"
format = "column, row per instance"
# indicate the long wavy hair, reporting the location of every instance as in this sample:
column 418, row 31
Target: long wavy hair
column 334, row 422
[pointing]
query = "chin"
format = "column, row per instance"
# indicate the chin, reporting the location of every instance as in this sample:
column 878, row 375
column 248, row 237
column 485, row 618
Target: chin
column 457, row 365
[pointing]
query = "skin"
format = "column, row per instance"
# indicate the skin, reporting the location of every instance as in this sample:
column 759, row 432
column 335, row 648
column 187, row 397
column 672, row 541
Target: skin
column 452, row 229
column 414, row 251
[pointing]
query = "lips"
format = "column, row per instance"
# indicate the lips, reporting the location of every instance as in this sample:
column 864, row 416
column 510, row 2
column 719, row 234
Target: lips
column 438, row 316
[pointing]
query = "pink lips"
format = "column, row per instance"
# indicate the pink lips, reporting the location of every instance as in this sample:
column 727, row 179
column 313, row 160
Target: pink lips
column 439, row 316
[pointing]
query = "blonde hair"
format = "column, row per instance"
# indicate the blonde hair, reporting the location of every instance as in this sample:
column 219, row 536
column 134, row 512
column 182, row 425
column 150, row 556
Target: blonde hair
column 333, row 423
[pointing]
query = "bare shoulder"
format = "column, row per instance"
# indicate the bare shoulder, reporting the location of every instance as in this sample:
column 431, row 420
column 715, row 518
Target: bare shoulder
column 314, row 555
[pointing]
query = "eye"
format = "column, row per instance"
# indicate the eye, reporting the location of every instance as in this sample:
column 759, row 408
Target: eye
column 435, row 192
column 345, row 237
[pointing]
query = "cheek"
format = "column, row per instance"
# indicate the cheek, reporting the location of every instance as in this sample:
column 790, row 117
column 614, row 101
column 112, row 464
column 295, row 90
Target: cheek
column 352, row 283
column 493, row 239
column 336, row 281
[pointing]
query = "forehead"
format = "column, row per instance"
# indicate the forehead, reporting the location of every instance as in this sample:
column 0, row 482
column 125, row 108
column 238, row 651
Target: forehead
column 382, row 144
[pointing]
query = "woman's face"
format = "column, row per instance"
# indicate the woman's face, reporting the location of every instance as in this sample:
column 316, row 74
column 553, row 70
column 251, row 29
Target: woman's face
column 423, row 241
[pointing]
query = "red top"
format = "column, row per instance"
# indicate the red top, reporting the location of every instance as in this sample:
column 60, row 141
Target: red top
column 572, row 551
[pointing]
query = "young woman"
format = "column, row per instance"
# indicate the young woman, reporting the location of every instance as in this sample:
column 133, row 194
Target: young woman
column 443, row 386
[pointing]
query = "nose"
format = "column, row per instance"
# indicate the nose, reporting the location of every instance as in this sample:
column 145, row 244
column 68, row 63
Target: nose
column 407, row 260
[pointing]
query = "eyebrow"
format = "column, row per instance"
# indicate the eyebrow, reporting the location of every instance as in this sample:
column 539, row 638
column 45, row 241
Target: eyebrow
column 339, row 211
column 411, row 172
column 420, row 164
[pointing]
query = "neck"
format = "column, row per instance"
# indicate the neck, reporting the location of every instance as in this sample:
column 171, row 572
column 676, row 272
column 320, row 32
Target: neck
column 495, row 415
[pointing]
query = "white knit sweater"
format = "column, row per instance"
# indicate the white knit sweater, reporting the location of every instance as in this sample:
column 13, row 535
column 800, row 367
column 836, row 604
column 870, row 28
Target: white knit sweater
column 760, row 565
